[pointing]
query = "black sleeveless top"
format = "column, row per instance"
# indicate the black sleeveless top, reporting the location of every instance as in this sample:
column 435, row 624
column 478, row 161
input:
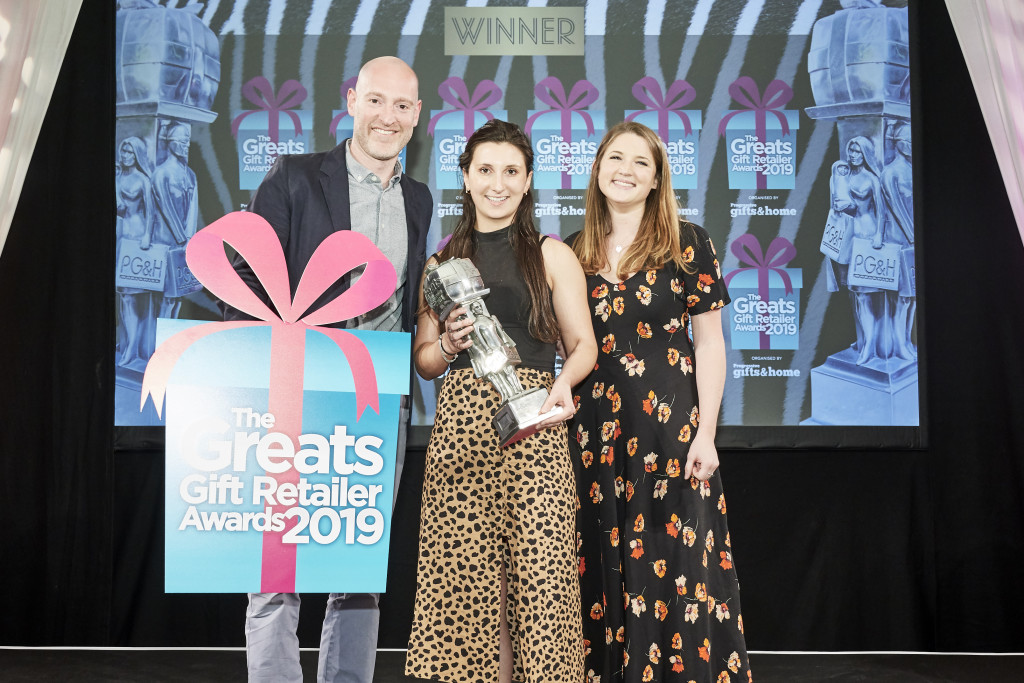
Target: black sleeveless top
column 509, row 299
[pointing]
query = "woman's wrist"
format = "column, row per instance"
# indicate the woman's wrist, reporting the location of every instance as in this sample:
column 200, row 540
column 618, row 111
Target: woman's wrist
column 445, row 356
column 560, row 380
column 705, row 434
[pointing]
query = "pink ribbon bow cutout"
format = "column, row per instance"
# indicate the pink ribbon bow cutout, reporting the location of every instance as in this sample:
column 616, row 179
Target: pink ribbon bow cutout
column 648, row 91
column 253, row 238
column 455, row 92
column 780, row 252
column 349, row 84
column 776, row 95
column 260, row 92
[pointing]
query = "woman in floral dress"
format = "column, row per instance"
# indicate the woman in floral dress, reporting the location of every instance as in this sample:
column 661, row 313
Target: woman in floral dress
column 659, row 591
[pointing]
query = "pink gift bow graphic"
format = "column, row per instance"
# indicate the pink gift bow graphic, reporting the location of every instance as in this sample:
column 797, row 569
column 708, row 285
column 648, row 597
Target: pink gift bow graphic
column 253, row 238
column 780, row 252
column 551, row 91
column 260, row 92
column 777, row 94
column 345, row 87
column 455, row 92
column 648, row 91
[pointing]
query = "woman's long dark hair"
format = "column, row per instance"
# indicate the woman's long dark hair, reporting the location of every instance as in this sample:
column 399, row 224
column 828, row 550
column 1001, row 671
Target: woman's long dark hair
column 523, row 236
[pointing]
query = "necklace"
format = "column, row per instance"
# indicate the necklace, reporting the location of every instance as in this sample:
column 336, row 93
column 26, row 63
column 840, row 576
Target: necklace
column 619, row 247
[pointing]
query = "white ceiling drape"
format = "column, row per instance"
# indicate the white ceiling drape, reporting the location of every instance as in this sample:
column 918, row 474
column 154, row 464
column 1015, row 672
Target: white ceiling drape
column 991, row 36
column 34, row 36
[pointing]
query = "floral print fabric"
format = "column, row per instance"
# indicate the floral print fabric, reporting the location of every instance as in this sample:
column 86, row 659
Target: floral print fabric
column 659, row 591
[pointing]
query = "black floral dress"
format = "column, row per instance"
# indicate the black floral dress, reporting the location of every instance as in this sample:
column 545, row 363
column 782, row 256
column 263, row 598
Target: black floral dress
column 659, row 590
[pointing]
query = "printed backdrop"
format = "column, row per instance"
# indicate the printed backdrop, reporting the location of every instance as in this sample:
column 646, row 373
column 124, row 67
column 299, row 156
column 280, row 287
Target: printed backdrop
column 787, row 124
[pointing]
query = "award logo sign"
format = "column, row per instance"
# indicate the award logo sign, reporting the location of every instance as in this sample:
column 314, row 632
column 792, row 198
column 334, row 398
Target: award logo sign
column 274, row 129
column 761, row 139
column 765, row 295
column 451, row 128
column 678, row 128
column 281, row 433
column 565, row 137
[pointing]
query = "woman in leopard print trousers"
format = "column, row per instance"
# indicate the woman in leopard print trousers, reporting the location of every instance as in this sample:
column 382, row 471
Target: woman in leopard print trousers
column 497, row 594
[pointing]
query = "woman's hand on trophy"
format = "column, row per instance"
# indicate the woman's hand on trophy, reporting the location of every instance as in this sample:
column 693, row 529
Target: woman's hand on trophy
column 457, row 331
column 559, row 397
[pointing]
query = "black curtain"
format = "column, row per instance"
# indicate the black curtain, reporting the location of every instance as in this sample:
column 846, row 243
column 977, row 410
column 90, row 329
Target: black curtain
column 836, row 549
column 56, row 316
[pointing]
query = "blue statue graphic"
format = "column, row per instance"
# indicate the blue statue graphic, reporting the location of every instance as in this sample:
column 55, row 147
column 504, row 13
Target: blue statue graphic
column 136, row 215
column 859, row 69
column 898, row 194
column 174, row 185
column 858, row 194
column 168, row 73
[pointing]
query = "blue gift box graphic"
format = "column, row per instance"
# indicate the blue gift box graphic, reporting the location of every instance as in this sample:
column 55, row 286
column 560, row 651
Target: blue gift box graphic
column 774, row 314
column 273, row 129
column 762, row 162
column 562, row 162
column 257, row 150
column 761, row 139
column 565, row 138
column 765, row 295
column 218, row 497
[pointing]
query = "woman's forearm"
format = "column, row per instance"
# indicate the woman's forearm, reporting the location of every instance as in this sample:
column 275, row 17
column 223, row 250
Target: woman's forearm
column 709, row 363
column 429, row 362
column 579, row 363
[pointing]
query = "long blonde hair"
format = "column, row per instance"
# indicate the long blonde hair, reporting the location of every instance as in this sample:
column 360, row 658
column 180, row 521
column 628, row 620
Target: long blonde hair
column 660, row 239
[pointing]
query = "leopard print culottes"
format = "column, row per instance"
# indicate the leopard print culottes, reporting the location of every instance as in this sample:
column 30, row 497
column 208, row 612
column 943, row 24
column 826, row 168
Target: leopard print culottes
column 484, row 506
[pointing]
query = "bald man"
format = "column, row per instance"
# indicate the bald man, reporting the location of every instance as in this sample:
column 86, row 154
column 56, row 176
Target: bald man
column 359, row 185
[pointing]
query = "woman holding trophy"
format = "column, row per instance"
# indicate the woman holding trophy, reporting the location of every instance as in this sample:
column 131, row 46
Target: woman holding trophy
column 497, row 578
column 659, row 592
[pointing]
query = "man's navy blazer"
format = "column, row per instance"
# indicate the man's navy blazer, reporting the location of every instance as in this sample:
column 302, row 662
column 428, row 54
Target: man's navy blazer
column 305, row 198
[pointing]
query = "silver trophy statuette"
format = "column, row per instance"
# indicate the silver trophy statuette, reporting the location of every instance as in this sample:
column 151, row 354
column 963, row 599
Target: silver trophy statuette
column 457, row 282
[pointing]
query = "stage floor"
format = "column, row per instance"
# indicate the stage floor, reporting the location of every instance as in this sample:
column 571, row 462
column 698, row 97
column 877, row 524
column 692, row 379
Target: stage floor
column 33, row 665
